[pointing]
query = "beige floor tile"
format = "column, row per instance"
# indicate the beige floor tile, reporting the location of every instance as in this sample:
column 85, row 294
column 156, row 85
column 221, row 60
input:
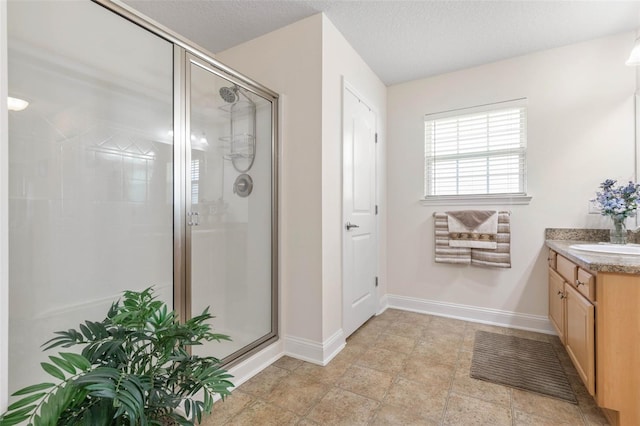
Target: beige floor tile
column 340, row 407
column 379, row 321
column 447, row 325
column 401, row 368
column 527, row 419
column 463, row 384
column 223, row 411
column 466, row 411
column 297, row 393
column 327, row 374
column 391, row 315
column 463, row 363
column 424, row 369
column 389, row 415
column 425, row 400
column 405, row 329
column 594, row 416
column 350, row 353
column 288, row 363
column 546, row 407
column 382, row 360
column 416, row 318
column 394, row 343
column 307, row 422
column 264, row 414
column 365, row 336
column 261, row 384
column 366, row 382
column 433, row 352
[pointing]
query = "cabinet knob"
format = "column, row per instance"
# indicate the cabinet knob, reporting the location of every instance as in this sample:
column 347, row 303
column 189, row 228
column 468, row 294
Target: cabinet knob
column 579, row 283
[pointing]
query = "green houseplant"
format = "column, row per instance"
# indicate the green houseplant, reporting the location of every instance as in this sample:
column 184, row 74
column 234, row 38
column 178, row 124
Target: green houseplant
column 134, row 369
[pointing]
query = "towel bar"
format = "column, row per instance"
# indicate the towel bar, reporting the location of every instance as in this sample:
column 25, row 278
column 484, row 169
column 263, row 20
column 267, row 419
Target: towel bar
column 499, row 211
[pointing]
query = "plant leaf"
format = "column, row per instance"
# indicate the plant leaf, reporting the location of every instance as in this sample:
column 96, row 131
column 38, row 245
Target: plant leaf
column 76, row 360
column 16, row 417
column 33, row 388
column 65, row 365
column 52, row 370
column 25, row 401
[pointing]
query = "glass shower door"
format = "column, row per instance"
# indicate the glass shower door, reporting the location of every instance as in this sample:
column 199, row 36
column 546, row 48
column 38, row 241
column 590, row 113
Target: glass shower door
column 90, row 171
column 229, row 213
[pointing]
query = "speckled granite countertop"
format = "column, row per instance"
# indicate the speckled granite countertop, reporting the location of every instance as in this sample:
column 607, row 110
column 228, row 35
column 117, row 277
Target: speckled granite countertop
column 596, row 262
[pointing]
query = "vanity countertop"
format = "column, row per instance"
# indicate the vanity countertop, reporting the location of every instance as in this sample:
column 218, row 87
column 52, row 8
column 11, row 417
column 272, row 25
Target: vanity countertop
column 596, row 262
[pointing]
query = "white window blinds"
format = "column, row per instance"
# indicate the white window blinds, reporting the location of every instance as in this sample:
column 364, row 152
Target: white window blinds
column 476, row 151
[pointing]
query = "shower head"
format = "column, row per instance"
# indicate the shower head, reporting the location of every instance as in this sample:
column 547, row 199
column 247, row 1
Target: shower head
column 229, row 94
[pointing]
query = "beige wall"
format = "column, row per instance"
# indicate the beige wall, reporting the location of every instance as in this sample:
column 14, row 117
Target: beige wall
column 580, row 131
column 305, row 62
column 340, row 61
column 288, row 61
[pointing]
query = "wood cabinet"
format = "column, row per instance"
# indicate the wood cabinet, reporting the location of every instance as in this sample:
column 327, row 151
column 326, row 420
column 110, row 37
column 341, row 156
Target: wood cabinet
column 579, row 336
column 597, row 317
column 556, row 303
column 573, row 316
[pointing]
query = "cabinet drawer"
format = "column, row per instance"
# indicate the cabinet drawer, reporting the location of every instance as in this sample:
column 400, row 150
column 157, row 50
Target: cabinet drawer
column 586, row 284
column 567, row 269
column 552, row 259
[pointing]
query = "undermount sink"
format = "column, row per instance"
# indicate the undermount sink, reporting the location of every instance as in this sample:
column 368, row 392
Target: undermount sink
column 632, row 249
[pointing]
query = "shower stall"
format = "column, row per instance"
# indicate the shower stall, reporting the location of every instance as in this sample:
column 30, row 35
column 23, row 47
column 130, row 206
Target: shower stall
column 140, row 161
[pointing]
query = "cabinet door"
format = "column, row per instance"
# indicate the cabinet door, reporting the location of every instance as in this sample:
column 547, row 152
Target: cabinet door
column 579, row 335
column 556, row 303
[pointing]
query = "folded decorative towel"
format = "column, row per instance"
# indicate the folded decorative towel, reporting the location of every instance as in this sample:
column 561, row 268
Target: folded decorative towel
column 473, row 228
column 500, row 257
column 443, row 252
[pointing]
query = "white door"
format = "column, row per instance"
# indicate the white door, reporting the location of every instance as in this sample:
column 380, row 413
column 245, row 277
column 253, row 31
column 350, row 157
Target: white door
column 359, row 213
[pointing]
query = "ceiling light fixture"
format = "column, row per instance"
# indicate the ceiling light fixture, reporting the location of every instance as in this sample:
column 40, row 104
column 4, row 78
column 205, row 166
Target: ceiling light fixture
column 634, row 57
column 15, row 104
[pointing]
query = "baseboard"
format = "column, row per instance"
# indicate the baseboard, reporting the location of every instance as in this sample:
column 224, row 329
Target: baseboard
column 497, row 317
column 315, row 352
column 383, row 304
column 256, row 363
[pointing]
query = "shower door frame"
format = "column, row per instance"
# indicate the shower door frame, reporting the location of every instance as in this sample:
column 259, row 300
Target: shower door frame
column 186, row 52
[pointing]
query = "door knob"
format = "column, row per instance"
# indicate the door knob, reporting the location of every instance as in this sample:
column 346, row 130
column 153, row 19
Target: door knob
column 350, row 225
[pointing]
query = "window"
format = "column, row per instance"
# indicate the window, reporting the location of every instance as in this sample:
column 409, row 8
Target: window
column 195, row 181
column 477, row 151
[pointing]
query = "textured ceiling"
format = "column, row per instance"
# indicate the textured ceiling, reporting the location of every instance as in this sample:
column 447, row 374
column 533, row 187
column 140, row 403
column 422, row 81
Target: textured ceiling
column 406, row 40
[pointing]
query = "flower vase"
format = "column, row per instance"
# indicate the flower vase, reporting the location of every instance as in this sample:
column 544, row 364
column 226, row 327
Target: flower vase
column 618, row 235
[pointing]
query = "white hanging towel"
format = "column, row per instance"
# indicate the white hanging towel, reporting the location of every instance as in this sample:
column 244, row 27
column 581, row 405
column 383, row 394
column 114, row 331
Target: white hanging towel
column 473, row 228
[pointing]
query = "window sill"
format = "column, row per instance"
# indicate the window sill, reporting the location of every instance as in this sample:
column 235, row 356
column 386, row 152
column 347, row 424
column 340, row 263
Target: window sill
column 476, row 200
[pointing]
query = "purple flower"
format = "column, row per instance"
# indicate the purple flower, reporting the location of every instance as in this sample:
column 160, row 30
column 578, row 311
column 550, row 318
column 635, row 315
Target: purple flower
column 620, row 202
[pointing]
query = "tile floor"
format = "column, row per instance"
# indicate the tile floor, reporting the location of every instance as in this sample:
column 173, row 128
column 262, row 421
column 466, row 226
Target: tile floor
column 400, row 368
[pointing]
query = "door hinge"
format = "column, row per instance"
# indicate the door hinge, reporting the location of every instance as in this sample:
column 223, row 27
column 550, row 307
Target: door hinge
column 376, row 209
column 376, row 281
column 376, row 138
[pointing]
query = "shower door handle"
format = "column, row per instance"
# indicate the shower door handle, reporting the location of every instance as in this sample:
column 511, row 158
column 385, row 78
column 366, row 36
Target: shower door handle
column 194, row 218
column 350, row 225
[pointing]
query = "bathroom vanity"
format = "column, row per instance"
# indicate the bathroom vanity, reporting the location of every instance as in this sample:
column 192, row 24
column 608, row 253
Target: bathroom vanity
column 594, row 305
